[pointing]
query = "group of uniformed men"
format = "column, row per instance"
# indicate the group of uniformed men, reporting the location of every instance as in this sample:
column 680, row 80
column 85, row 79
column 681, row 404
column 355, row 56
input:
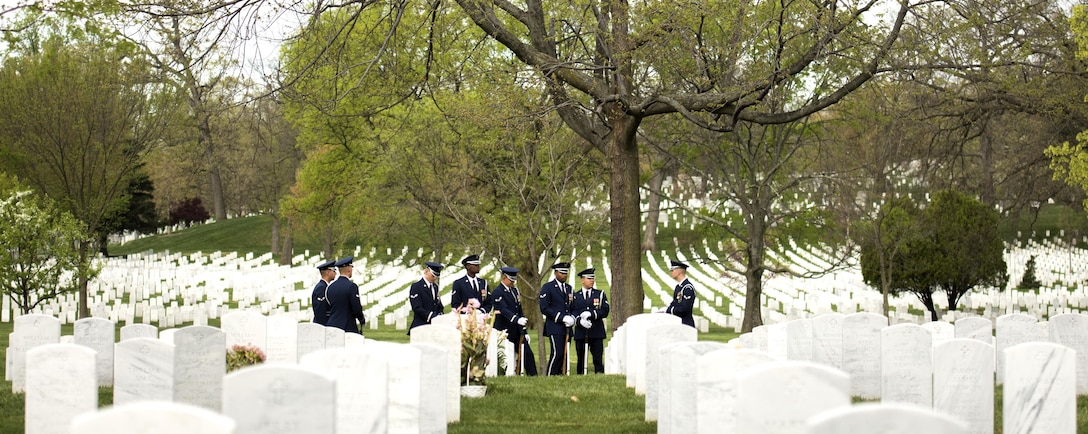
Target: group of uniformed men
column 335, row 298
column 567, row 313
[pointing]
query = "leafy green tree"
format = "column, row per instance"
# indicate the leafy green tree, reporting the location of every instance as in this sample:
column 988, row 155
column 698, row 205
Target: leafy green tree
column 1029, row 281
column 40, row 260
column 885, row 240
column 951, row 246
column 95, row 113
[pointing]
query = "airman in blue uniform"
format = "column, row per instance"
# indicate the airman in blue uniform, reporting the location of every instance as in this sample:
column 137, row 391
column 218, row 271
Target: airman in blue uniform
column 424, row 298
column 683, row 296
column 318, row 300
column 343, row 297
column 472, row 286
column 555, row 299
column 590, row 306
column 506, row 301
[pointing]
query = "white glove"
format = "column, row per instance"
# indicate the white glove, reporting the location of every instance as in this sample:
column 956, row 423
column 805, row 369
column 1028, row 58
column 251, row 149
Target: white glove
column 586, row 323
column 585, row 315
column 522, row 321
column 568, row 320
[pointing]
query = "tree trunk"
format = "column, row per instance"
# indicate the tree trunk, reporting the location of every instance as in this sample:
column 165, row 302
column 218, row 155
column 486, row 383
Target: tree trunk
column 626, row 253
column 653, row 212
column 81, row 279
column 215, row 181
column 288, row 247
column 753, row 272
column 986, row 183
column 927, row 301
column 275, row 233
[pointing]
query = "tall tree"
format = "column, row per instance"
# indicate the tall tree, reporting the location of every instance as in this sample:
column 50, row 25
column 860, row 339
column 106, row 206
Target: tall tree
column 96, row 112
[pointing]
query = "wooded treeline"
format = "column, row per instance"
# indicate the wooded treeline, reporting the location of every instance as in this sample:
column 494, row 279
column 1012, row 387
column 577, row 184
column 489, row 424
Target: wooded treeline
column 533, row 130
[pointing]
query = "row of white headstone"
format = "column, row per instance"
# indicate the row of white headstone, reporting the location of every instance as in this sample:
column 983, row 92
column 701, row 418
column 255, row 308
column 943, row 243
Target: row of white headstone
column 925, row 377
column 328, row 382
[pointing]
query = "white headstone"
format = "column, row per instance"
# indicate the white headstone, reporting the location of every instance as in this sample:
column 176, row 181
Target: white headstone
column 449, row 320
column 799, row 340
column 404, row 384
column 335, row 338
column 450, row 340
column 1071, row 330
column 143, row 370
column 30, row 331
column 963, row 382
column 635, row 345
column 61, row 384
column 759, row 338
column 1040, row 393
column 906, row 365
column 98, row 335
column 678, row 385
column 827, row 339
column 657, row 338
column 281, row 340
column 942, row 331
column 245, row 328
column 778, row 397
column 716, row 390
column 974, row 327
column 199, row 366
column 1012, row 330
column 433, row 384
column 311, row 337
column 133, row 331
column 280, row 399
column 153, row 417
column 884, row 418
column 861, row 352
column 362, row 386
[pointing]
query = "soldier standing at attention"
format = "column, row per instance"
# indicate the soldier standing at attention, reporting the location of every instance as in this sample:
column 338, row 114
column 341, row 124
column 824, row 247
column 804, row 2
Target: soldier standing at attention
column 343, row 297
column 683, row 296
column 555, row 298
column 470, row 287
column 318, row 299
column 591, row 307
column 423, row 296
column 510, row 318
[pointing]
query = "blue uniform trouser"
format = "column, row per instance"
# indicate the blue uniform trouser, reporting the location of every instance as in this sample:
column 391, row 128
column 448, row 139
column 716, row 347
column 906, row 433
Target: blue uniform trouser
column 559, row 355
column 596, row 347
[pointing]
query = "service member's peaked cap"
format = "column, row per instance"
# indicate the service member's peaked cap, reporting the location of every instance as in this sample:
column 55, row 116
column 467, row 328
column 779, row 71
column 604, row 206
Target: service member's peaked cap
column 346, row 262
column 510, row 272
column 326, row 265
column 435, row 267
column 471, row 260
column 562, row 267
column 677, row 264
column 588, row 272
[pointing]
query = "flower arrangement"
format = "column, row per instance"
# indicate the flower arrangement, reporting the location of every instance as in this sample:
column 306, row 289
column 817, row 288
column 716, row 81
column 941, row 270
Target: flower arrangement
column 240, row 356
column 475, row 329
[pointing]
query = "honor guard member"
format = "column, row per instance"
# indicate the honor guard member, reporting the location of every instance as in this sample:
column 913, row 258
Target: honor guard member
column 472, row 286
column 590, row 306
column 343, row 297
column 683, row 296
column 318, row 299
column 423, row 296
column 555, row 299
column 506, row 302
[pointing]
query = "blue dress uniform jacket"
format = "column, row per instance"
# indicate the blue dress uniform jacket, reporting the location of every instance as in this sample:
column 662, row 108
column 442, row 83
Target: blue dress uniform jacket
column 462, row 292
column 320, row 303
column 507, row 305
column 345, row 306
column 683, row 302
column 555, row 298
column 595, row 302
column 425, row 303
